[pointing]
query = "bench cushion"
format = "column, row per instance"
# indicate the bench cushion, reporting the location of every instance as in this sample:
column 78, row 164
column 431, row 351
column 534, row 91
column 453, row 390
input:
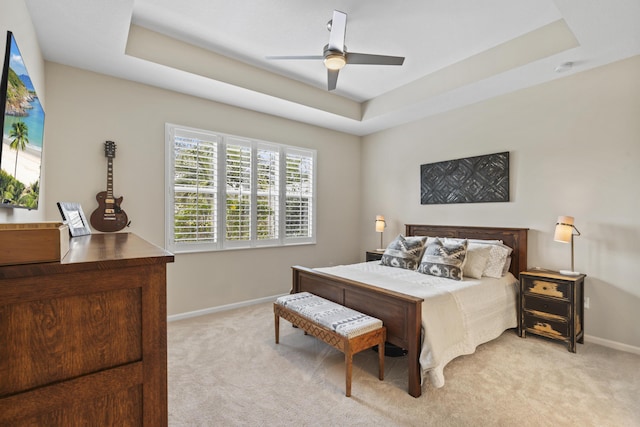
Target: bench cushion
column 342, row 320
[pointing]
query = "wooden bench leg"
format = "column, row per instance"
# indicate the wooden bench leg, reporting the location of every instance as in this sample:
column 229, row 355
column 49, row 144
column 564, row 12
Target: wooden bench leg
column 340, row 342
column 348, row 360
column 381, row 358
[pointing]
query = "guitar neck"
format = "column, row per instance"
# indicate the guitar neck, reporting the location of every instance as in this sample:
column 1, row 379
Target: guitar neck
column 109, row 180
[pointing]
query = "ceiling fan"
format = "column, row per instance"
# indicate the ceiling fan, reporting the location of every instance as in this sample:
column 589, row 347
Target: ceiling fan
column 335, row 54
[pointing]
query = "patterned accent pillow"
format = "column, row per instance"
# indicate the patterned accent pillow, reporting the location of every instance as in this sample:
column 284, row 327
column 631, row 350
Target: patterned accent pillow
column 444, row 260
column 497, row 261
column 404, row 252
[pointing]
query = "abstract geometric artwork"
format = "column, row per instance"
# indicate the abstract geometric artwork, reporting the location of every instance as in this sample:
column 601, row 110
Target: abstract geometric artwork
column 477, row 179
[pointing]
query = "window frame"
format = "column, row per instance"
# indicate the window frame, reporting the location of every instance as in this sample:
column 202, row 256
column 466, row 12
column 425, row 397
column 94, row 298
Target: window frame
column 222, row 244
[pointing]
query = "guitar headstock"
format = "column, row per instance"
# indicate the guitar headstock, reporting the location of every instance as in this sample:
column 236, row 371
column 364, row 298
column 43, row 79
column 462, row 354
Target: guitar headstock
column 110, row 149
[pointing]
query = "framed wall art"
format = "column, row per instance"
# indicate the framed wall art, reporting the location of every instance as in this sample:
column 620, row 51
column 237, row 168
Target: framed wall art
column 479, row 179
column 22, row 123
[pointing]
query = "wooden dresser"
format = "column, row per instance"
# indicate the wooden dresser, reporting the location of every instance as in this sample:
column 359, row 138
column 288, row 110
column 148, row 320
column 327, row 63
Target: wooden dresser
column 83, row 341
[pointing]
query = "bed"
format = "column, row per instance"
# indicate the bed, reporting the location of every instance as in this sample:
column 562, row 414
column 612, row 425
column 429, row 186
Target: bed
column 402, row 313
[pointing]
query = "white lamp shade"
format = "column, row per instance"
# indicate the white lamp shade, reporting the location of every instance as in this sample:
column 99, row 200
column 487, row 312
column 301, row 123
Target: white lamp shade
column 564, row 229
column 380, row 223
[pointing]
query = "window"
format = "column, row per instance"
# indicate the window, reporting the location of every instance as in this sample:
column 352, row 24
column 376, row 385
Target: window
column 227, row 192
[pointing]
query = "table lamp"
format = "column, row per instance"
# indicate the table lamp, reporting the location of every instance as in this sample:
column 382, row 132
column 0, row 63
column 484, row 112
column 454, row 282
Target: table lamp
column 564, row 233
column 380, row 225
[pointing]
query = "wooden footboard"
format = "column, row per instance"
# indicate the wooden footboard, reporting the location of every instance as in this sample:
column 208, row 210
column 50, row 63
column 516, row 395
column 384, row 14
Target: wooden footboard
column 400, row 313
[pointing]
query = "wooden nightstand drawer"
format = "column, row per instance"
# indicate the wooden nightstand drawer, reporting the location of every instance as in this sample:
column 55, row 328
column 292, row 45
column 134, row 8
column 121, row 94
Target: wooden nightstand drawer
column 374, row 255
column 552, row 304
column 546, row 305
column 547, row 287
column 545, row 326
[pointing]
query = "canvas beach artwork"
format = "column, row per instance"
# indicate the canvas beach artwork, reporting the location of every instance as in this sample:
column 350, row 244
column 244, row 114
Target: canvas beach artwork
column 22, row 122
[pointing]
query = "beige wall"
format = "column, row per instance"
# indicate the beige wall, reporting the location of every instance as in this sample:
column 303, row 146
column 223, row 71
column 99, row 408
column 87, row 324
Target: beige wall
column 14, row 17
column 85, row 109
column 574, row 145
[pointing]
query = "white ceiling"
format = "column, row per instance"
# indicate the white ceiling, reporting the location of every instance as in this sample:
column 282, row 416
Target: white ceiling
column 457, row 51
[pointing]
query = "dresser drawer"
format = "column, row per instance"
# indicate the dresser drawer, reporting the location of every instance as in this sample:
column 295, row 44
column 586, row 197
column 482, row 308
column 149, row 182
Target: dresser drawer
column 544, row 326
column 546, row 305
column 547, row 287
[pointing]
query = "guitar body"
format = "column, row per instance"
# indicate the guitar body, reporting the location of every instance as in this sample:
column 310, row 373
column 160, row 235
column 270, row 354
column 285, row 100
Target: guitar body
column 109, row 216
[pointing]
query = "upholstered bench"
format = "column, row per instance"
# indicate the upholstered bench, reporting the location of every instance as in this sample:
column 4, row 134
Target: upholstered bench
column 347, row 330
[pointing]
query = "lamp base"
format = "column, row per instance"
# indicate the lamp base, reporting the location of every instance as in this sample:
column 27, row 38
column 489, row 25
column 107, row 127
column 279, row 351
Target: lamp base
column 569, row 273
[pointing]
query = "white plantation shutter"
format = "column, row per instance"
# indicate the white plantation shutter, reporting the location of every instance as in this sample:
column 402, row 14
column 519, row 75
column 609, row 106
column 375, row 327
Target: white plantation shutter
column 238, row 190
column 195, row 187
column 268, row 193
column 299, row 198
column 228, row 192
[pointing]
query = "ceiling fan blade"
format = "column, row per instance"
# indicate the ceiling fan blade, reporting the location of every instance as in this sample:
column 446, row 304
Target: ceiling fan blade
column 296, row 57
column 338, row 30
column 332, row 77
column 365, row 58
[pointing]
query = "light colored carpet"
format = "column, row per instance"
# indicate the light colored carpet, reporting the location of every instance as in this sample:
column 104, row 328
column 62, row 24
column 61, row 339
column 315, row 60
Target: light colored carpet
column 226, row 370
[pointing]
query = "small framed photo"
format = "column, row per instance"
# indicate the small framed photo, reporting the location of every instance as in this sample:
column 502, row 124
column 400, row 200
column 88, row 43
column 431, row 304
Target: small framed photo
column 73, row 216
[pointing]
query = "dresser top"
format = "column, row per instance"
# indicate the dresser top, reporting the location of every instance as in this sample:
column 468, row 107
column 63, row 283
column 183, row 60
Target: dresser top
column 105, row 251
column 112, row 246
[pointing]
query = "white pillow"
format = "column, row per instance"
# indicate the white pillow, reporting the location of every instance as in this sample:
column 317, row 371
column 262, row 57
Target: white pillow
column 497, row 259
column 476, row 260
column 507, row 266
column 499, row 256
column 481, row 241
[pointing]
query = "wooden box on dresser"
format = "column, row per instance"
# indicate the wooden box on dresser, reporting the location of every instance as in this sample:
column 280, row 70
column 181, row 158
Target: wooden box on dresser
column 83, row 341
column 552, row 305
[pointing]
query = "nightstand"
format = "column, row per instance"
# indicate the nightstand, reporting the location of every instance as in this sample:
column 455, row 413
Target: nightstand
column 375, row 255
column 551, row 305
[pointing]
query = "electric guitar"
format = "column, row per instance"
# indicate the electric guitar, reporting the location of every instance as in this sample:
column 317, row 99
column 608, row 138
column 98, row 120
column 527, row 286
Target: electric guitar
column 108, row 216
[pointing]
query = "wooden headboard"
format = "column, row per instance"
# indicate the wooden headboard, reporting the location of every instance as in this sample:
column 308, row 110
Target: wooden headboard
column 515, row 238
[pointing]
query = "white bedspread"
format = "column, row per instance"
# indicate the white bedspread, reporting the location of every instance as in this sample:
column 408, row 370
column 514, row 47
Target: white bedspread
column 457, row 316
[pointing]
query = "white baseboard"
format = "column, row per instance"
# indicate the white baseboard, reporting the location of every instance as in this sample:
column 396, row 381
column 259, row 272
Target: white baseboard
column 596, row 340
column 612, row 344
column 220, row 308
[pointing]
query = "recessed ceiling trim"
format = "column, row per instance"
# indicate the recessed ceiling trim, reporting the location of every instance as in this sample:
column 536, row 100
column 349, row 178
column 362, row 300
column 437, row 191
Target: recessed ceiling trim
column 164, row 50
column 548, row 40
column 433, row 36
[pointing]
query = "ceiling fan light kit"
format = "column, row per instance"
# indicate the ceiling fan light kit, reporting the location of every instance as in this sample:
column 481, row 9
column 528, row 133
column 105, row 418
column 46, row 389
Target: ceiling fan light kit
column 335, row 61
column 335, row 54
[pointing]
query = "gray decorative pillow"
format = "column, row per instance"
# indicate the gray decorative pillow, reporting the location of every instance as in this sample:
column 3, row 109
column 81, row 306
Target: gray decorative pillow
column 444, row 260
column 404, row 252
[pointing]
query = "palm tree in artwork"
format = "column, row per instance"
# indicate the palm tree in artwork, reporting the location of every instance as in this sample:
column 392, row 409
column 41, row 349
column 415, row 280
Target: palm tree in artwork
column 20, row 134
